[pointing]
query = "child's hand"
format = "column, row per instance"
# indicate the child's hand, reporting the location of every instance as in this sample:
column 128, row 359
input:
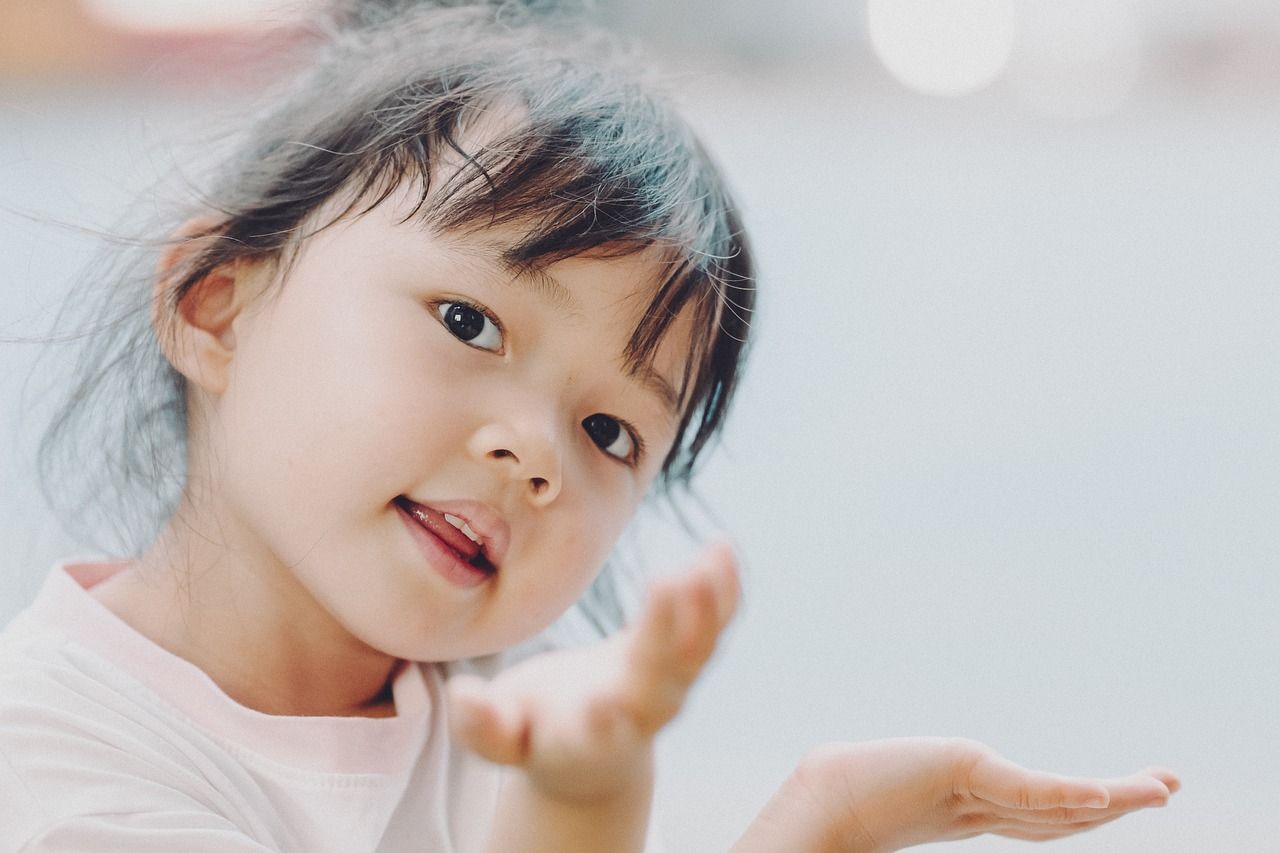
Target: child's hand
column 580, row 722
column 890, row 794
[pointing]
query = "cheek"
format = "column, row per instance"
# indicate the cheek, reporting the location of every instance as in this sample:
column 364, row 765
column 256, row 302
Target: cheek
column 317, row 409
column 599, row 524
column 565, row 561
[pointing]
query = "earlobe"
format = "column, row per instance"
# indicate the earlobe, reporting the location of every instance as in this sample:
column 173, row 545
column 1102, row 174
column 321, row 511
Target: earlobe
column 197, row 334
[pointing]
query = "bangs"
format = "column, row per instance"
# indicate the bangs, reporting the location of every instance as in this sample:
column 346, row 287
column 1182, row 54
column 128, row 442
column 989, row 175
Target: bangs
column 544, row 138
column 590, row 185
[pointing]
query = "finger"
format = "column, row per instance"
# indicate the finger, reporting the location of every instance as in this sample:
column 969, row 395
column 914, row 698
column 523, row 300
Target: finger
column 491, row 725
column 1000, row 781
column 714, row 592
column 1170, row 780
column 682, row 635
column 652, row 644
column 676, row 635
column 721, row 565
column 650, row 689
column 1045, row 832
column 678, row 631
column 1126, row 794
column 698, row 611
column 1138, row 790
column 1061, row 815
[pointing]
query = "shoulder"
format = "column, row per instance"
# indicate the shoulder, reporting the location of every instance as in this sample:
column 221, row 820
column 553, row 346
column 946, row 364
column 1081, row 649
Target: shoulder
column 68, row 712
column 58, row 699
column 47, row 680
column 81, row 741
column 42, row 672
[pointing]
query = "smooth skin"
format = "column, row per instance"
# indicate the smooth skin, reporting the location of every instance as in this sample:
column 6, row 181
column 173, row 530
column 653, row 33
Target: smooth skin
column 891, row 794
column 580, row 725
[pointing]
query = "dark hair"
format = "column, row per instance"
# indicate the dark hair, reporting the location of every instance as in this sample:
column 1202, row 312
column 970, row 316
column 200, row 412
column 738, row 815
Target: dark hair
column 587, row 160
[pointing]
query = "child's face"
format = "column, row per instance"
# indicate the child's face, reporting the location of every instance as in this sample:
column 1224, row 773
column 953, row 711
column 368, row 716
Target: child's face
column 353, row 390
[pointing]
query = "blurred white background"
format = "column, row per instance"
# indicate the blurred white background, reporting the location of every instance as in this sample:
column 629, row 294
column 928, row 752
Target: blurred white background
column 1005, row 461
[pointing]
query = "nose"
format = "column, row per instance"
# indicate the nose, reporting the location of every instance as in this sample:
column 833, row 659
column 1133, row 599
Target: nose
column 526, row 453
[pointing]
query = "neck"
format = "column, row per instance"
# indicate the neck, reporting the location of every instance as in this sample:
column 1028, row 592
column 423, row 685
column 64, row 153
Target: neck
column 251, row 626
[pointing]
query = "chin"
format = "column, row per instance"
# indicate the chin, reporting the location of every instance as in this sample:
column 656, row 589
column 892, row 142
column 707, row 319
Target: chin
column 430, row 646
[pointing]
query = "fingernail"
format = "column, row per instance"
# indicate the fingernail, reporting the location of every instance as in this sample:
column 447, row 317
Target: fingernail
column 1097, row 802
column 1156, row 803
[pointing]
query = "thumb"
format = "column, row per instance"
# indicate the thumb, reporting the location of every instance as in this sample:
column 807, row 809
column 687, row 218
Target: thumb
column 493, row 727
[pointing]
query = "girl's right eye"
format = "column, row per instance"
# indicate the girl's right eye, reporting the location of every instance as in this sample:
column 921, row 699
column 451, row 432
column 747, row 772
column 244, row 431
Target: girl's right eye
column 471, row 325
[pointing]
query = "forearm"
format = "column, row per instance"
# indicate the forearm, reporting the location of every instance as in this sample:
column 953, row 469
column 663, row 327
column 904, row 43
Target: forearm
column 530, row 820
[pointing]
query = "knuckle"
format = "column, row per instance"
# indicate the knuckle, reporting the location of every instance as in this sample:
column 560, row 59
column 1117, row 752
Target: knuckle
column 957, row 804
column 1024, row 799
column 976, row 823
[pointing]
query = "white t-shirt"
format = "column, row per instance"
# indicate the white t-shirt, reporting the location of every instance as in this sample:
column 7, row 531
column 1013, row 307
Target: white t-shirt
column 110, row 743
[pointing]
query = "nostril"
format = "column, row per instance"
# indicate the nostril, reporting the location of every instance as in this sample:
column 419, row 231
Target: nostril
column 502, row 454
column 539, row 485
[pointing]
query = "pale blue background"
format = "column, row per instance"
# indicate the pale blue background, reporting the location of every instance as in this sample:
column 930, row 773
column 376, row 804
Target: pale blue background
column 1005, row 464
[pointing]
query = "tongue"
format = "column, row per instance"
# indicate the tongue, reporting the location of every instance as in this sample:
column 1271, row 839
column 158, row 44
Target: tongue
column 452, row 536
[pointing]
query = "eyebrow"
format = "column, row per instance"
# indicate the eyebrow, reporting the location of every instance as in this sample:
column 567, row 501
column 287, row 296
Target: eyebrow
column 656, row 383
column 543, row 284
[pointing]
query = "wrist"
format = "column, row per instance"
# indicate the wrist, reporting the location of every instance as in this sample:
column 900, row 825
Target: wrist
column 807, row 813
column 821, row 778
column 624, row 778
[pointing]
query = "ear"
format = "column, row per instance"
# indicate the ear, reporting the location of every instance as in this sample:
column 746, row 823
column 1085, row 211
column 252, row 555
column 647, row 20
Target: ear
column 197, row 335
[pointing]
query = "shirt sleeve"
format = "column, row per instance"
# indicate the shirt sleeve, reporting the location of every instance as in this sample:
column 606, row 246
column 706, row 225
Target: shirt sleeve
column 41, row 824
column 149, row 833
column 65, row 788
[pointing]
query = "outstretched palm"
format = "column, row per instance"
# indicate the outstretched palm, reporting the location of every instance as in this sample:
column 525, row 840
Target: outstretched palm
column 889, row 794
column 580, row 722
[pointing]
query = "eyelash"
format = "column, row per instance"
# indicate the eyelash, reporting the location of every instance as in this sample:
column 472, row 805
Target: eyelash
column 637, row 444
column 637, row 441
column 479, row 309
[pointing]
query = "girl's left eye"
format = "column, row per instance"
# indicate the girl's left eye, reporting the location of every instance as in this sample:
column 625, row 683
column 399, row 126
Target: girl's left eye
column 611, row 436
column 470, row 325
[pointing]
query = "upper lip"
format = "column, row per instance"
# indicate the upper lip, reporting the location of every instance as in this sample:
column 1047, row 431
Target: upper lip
column 483, row 520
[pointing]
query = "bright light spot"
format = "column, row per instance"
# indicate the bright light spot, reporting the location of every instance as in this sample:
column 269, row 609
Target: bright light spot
column 942, row 47
column 1076, row 60
column 188, row 15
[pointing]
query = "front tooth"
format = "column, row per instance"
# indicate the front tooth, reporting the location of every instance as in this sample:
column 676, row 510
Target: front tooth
column 463, row 526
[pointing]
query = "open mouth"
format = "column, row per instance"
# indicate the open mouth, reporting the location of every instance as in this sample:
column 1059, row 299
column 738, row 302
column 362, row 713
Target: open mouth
column 453, row 531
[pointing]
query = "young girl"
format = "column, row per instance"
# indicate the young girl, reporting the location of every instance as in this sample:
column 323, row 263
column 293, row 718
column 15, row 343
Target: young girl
column 467, row 295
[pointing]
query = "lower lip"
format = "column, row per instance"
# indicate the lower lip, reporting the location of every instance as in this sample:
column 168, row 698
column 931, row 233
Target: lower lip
column 441, row 557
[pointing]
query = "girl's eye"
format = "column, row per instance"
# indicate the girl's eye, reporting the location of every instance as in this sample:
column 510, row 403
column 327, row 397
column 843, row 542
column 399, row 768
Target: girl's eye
column 471, row 325
column 611, row 436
